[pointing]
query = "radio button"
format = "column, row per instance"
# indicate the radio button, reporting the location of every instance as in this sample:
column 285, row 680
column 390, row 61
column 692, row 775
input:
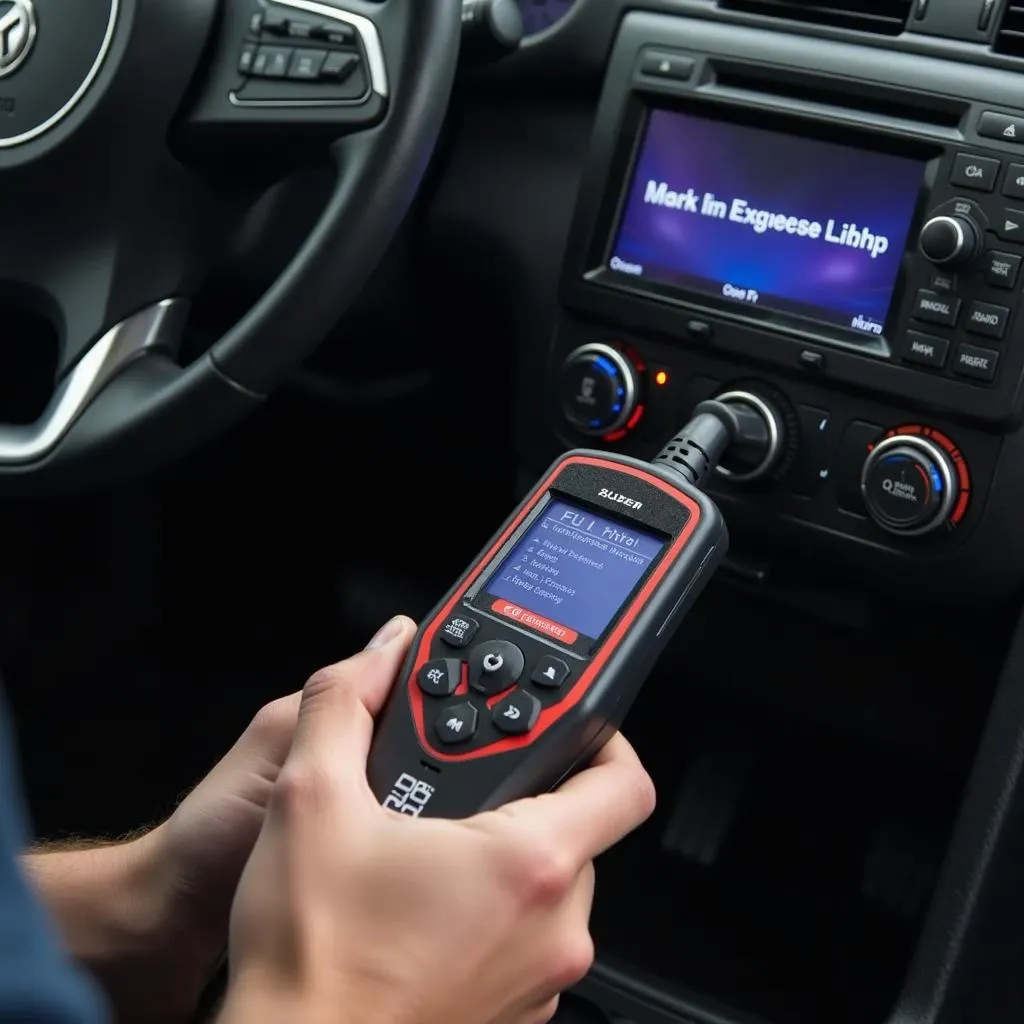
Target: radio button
column 1010, row 225
column 665, row 64
column 987, row 319
column 1002, row 269
column 813, row 361
column 1014, row 184
column 857, row 444
column 812, row 467
column 1001, row 126
column 977, row 172
column 924, row 349
column 936, row 308
column 977, row 363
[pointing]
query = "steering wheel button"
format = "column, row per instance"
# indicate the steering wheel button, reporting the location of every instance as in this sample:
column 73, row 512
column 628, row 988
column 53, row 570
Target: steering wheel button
column 276, row 24
column 275, row 61
column 246, row 58
column 338, row 66
column 517, row 714
column 300, row 30
column 495, row 666
column 306, row 64
column 457, row 723
column 335, row 33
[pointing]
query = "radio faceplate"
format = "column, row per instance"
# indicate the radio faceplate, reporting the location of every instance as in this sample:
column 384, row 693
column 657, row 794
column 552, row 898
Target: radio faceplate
column 672, row 198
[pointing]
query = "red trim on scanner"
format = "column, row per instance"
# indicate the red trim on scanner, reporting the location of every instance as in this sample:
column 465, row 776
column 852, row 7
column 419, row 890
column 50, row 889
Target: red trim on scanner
column 549, row 716
column 531, row 620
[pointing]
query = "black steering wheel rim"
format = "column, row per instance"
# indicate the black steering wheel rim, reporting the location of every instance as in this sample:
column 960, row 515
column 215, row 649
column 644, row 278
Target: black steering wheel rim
column 122, row 404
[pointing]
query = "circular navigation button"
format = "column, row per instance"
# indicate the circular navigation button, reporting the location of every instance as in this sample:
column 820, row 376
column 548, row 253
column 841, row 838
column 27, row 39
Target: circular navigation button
column 493, row 663
column 494, row 666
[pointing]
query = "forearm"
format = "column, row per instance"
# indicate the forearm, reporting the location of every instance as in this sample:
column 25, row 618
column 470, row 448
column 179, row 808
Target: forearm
column 111, row 906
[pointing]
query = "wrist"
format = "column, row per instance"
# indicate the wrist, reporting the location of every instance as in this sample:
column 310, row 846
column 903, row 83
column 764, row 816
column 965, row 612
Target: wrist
column 115, row 907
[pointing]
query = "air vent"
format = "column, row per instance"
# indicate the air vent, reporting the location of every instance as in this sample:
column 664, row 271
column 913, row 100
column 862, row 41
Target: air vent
column 883, row 17
column 1010, row 37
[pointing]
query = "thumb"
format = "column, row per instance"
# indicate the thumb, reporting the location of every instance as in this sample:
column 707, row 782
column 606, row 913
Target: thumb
column 335, row 723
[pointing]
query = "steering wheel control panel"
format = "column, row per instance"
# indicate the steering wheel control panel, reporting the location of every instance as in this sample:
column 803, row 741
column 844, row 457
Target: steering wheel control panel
column 304, row 55
column 524, row 668
column 774, row 216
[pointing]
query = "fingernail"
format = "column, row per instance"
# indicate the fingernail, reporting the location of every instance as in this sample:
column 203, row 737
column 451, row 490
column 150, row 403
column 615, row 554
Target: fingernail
column 386, row 634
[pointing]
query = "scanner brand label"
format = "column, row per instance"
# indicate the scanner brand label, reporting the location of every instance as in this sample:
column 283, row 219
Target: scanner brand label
column 620, row 499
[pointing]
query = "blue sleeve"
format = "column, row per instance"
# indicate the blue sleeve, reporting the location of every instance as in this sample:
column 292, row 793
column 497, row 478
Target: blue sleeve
column 38, row 983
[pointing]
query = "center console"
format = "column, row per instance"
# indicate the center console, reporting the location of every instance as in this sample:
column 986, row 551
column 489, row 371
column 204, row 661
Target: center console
column 833, row 238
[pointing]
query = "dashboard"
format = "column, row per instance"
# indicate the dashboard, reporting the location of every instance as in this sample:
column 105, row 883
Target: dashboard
column 814, row 208
column 835, row 233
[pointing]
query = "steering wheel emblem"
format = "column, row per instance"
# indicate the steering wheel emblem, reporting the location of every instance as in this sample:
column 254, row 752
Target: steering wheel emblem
column 17, row 34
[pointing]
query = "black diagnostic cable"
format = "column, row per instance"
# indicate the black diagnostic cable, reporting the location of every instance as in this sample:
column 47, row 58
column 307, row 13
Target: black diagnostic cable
column 715, row 429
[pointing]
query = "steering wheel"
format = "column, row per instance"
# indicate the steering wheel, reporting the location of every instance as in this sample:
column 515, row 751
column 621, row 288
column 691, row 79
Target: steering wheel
column 107, row 232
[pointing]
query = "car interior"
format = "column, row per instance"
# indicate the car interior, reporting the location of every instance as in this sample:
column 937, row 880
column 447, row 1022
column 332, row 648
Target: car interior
column 300, row 298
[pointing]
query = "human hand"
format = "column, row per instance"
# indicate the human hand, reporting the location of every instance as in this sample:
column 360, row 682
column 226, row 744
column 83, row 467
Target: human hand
column 348, row 913
column 149, row 916
column 202, row 848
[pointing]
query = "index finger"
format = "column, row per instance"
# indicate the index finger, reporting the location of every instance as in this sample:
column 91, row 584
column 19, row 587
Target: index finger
column 593, row 810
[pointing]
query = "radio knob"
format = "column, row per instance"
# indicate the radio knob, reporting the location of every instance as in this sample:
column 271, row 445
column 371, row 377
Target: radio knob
column 949, row 241
column 910, row 485
column 763, row 446
column 599, row 389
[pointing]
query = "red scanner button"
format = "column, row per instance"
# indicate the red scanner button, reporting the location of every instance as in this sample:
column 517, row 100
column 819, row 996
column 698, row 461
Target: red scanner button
column 534, row 621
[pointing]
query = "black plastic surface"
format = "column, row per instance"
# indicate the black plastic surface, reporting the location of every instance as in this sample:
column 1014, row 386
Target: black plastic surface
column 979, row 558
column 525, row 132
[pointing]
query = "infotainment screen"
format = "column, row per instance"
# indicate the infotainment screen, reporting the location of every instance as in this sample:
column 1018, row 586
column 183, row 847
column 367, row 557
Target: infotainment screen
column 762, row 219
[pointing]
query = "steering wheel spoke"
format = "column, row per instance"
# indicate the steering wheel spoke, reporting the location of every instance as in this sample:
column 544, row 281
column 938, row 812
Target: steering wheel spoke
column 111, row 224
column 317, row 65
column 156, row 329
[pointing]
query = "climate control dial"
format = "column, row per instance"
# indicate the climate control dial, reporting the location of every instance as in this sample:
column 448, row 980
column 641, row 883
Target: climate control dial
column 911, row 485
column 599, row 392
